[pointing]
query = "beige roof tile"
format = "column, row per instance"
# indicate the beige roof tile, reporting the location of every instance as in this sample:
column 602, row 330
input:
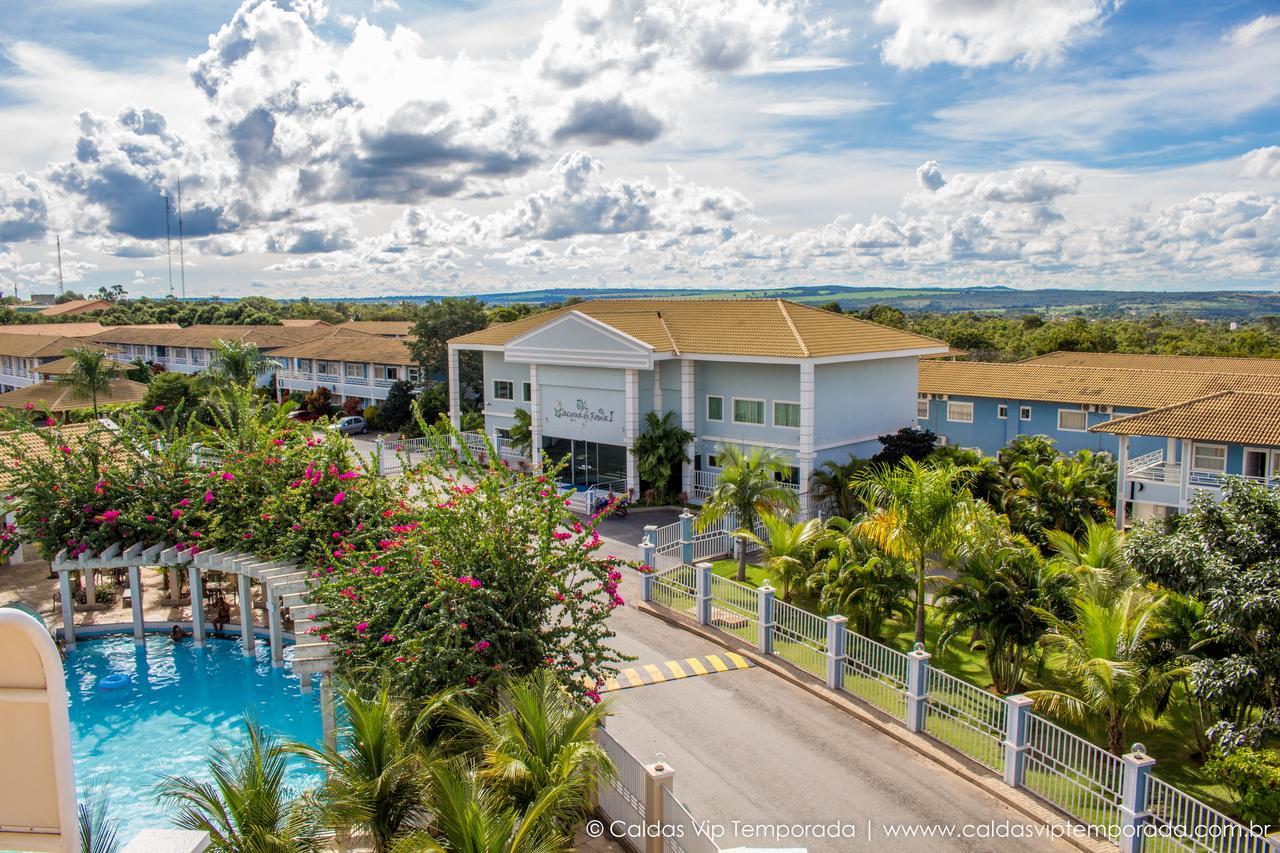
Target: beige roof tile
column 20, row 446
column 1237, row 417
column 1141, row 361
column 57, row 397
column 747, row 327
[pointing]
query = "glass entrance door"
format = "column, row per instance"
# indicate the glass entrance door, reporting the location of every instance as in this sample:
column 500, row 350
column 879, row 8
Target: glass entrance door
column 587, row 463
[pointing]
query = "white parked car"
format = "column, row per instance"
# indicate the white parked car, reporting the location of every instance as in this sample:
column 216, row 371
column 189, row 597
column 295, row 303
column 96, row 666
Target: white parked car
column 352, row 424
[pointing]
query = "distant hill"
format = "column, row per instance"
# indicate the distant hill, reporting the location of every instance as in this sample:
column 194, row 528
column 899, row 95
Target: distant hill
column 1216, row 305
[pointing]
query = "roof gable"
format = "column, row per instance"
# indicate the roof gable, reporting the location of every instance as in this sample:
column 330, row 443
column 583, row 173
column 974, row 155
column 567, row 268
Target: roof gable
column 576, row 338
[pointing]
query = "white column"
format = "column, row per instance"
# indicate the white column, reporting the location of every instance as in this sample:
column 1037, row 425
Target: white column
column 657, row 387
column 68, row 610
column 805, row 455
column 1184, row 492
column 535, row 417
column 688, row 421
column 195, row 583
column 90, row 587
column 631, row 426
column 455, row 393
column 175, row 584
column 275, row 623
column 328, row 722
column 135, row 592
column 1122, row 479
column 246, row 615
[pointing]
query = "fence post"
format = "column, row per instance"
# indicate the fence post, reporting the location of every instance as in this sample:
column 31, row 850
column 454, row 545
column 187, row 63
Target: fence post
column 766, row 619
column 377, row 446
column 1016, row 739
column 686, row 537
column 1133, row 799
column 648, row 554
column 837, row 637
column 702, row 586
column 657, row 776
column 917, row 681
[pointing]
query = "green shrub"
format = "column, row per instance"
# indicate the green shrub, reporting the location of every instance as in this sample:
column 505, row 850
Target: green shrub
column 371, row 417
column 1253, row 778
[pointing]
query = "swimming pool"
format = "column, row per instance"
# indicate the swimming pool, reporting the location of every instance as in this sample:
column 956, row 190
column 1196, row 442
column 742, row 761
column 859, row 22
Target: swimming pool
column 179, row 702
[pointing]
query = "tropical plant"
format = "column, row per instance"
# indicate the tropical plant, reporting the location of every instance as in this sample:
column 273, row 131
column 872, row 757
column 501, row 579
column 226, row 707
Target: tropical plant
column 906, row 443
column 539, row 751
column 1059, row 495
column 397, row 410
column 1001, row 596
column 832, row 482
column 98, row 831
column 1253, row 778
column 869, row 588
column 747, row 488
column 914, row 511
column 1104, row 650
column 235, row 363
column 521, row 433
column 247, row 808
column 659, row 449
column 1097, row 556
column 788, row 550
column 90, row 375
column 376, row 783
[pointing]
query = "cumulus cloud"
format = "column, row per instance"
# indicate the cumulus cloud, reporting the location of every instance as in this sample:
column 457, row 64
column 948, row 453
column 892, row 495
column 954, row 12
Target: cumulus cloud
column 1251, row 32
column 600, row 122
column 976, row 33
column 1261, row 163
column 23, row 209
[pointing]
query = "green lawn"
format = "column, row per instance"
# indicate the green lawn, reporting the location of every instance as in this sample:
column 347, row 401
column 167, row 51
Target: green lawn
column 1170, row 739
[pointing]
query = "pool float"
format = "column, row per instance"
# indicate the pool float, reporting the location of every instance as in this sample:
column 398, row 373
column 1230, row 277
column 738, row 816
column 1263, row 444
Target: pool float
column 114, row 681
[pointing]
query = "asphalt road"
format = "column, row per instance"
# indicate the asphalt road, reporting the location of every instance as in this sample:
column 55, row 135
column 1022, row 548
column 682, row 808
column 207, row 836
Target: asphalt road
column 748, row 746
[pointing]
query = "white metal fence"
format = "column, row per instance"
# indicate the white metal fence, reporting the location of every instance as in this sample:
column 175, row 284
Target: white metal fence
column 968, row 719
column 684, row 835
column 876, row 674
column 1183, row 823
column 735, row 608
column 674, row 589
column 800, row 638
column 1078, row 777
column 621, row 798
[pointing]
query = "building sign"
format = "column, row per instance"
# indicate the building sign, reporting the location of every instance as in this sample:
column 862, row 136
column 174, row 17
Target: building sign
column 591, row 414
column 582, row 411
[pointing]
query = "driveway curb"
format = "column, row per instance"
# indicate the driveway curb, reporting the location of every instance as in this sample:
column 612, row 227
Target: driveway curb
column 1019, row 800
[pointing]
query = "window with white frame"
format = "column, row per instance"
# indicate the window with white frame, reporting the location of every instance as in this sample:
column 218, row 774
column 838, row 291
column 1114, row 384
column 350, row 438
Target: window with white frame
column 504, row 389
column 415, row 374
column 303, row 365
column 357, row 370
column 748, row 411
column 960, row 413
column 199, row 355
column 715, row 408
column 1002, row 412
column 786, row 415
column 526, row 391
column 328, row 368
column 1024, row 413
column 386, row 371
column 1210, row 458
column 1072, row 420
column 922, row 407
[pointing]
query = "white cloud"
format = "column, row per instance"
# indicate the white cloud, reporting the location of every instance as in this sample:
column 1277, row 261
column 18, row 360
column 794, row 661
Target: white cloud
column 975, row 33
column 1261, row 163
column 1260, row 27
column 819, row 107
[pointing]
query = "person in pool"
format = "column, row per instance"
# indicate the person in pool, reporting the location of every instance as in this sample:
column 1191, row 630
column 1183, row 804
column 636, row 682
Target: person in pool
column 177, row 634
column 221, row 614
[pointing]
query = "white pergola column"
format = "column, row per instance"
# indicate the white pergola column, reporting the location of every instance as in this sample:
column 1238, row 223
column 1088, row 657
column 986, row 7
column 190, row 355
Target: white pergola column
column 805, row 455
column 90, row 586
column 1122, row 473
column 1184, row 490
column 68, row 610
column 455, row 392
column 535, row 417
column 328, row 722
column 246, row 615
column 175, row 583
column 195, row 583
column 275, row 624
column 631, row 426
column 135, row 592
column 657, row 387
column 688, row 421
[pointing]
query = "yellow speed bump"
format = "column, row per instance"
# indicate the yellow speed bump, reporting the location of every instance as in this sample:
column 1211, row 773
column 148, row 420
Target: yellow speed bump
column 673, row 670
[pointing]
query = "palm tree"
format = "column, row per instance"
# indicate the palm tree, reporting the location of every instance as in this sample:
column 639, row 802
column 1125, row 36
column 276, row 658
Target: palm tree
column 521, row 433
column 235, row 363
column 833, row 482
column 247, row 808
column 1001, row 595
column 914, row 511
column 540, row 751
column 90, row 375
column 789, row 550
column 376, row 783
column 1105, row 654
column 869, row 588
column 658, row 449
column 1060, row 494
column 98, row 831
column 1098, row 555
column 746, row 489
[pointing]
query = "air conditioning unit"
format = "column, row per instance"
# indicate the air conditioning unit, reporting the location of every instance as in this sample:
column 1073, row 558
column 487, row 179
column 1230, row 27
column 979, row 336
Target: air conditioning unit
column 943, row 397
column 1089, row 407
column 1106, row 410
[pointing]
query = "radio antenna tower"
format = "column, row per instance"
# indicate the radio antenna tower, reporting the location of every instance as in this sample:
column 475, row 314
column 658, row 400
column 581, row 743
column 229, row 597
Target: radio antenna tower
column 182, row 258
column 168, row 245
column 59, row 240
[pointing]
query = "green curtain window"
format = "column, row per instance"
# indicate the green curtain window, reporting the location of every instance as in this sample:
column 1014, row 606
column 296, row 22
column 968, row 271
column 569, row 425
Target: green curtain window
column 786, row 415
column 748, row 411
column 715, row 408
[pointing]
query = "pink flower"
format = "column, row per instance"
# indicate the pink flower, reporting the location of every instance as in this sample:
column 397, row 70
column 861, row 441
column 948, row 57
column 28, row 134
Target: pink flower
column 388, row 638
column 158, row 409
column 377, row 570
column 110, row 515
column 348, row 475
column 49, row 422
column 177, row 513
column 277, row 441
column 29, row 406
column 228, row 476
column 183, row 502
column 65, row 449
column 482, row 645
column 362, row 627
column 339, row 498
column 151, row 518
column 208, row 497
column 247, row 535
column 295, row 527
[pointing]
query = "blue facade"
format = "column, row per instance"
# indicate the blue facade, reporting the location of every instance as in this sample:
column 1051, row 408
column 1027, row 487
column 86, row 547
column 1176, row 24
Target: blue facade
column 996, row 422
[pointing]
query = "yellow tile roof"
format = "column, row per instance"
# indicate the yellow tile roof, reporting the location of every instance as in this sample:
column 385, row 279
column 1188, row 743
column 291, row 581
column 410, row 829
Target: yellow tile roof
column 1237, row 417
column 1138, row 361
column 748, row 327
column 75, row 306
column 70, row 330
column 57, row 397
column 203, row 336
column 1145, row 389
column 391, row 328
column 22, row 446
column 343, row 344
column 41, row 346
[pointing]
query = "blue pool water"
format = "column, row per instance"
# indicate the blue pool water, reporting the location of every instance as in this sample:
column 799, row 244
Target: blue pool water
column 179, row 702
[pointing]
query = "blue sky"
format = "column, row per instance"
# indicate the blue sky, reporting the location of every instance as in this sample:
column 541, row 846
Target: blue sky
column 366, row 147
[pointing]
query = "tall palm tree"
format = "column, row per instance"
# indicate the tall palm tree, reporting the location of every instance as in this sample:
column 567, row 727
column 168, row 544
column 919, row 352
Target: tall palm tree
column 90, row 375
column 870, row 588
column 1060, row 494
column 789, row 550
column 914, row 511
column 541, row 743
column 247, row 808
column 833, row 482
column 658, row 449
column 1001, row 595
column 1105, row 654
column 235, row 363
column 376, row 783
column 1098, row 555
column 521, row 432
column 746, row 489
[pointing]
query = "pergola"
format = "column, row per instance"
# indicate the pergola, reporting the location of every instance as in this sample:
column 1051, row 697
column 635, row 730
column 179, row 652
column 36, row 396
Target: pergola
column 284, row 586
